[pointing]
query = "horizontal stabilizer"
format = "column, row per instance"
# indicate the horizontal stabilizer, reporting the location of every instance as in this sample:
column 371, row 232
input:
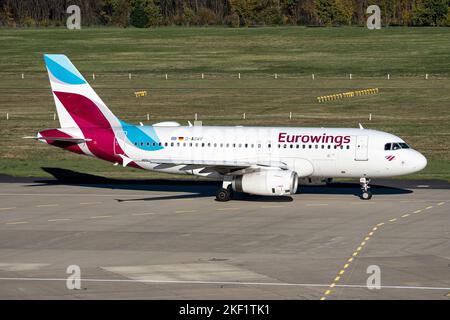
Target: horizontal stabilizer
column 74, row 140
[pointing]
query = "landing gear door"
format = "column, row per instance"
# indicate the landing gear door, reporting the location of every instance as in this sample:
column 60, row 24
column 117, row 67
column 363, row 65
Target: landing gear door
column 120, row 143
column 361, row 148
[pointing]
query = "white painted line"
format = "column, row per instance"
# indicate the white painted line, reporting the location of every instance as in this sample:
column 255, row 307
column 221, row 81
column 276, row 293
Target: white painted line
column 185, row 211
column 423, row 186
column 99, row 217
column 267, row 207
column 143, row 214
column 9, row 208
column 55, row 220
column 18, row 222
column 81, row 194
column 229, row 283
column 47, row 205
column 418, row 211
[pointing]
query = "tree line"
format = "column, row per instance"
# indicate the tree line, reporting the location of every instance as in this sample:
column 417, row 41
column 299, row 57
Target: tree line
column 234, row 13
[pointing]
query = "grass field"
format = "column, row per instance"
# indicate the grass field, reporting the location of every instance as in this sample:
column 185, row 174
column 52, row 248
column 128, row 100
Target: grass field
column 408, row 105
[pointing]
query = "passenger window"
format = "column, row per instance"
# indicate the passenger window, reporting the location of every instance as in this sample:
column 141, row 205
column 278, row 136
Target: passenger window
column 387, row 146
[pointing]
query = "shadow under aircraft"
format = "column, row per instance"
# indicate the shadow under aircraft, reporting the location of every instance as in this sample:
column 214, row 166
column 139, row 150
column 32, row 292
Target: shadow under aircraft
column 200, row 188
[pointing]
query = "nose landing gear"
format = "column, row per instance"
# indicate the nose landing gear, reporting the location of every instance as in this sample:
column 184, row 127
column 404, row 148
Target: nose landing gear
column 365, row 192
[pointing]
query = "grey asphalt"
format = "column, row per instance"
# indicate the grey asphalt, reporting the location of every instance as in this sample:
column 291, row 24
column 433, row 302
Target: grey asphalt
column 171, row 240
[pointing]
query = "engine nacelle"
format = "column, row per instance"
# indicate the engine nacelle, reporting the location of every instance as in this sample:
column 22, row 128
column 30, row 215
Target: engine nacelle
column 267, row 183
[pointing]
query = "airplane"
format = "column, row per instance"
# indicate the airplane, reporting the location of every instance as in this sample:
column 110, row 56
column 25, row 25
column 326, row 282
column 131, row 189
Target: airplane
column 267, row 161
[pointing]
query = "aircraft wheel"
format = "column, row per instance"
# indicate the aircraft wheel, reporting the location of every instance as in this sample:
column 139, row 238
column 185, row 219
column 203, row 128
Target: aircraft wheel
column 223, row 195
column 366, row 195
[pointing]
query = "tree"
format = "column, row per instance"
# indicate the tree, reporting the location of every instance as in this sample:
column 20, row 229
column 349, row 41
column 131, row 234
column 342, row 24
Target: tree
column 324, row 11
column 154, row 15
column 138, row 16
column 344, row 10
column 438, row 10
column 121, row 14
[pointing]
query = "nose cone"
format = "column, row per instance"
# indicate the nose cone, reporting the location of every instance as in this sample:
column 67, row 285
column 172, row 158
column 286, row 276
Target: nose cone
column 419, row 162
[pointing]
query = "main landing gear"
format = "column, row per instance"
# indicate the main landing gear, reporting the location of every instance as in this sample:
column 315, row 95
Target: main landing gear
column 226, row 192
column 365, row 193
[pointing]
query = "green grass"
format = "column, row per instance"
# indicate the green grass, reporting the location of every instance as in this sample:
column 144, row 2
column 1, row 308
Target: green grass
column 407, row 105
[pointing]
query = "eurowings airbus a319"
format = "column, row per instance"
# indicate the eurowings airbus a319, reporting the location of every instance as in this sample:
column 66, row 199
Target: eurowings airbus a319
column 265, row 161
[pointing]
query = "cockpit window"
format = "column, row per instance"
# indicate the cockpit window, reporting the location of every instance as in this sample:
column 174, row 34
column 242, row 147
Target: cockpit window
column 404, row 145
column 396, row 146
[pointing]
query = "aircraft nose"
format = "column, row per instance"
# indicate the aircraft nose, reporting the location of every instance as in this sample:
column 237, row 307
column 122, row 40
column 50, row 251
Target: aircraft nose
column 420, row 162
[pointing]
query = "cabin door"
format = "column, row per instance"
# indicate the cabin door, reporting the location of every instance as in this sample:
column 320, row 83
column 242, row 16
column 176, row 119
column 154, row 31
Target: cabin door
column 362, row 148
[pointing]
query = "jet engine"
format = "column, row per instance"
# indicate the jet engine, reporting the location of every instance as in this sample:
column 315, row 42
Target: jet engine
column 267, row 183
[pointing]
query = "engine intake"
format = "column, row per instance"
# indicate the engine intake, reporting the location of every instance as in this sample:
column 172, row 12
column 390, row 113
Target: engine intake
column 267, row 183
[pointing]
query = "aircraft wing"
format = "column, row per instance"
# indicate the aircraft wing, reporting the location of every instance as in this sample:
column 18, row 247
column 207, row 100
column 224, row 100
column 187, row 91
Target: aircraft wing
column 221, row 166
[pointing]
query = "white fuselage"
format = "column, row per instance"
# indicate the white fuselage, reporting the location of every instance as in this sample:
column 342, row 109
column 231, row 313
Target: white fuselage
column 311, row 152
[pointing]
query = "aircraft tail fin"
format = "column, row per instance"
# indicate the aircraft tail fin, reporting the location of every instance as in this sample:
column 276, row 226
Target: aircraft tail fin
column 77, row 104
